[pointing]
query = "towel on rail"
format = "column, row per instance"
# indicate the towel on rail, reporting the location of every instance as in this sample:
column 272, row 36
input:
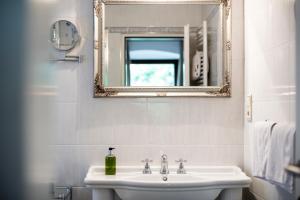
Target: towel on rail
column 281, row 155
column 261, row 147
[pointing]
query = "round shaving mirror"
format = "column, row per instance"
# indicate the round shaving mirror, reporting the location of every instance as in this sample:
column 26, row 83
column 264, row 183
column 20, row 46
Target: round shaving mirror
column 64, row 35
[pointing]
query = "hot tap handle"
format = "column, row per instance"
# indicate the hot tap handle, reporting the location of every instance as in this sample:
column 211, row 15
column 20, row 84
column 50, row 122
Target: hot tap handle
column 181, row 161
column 147, row 169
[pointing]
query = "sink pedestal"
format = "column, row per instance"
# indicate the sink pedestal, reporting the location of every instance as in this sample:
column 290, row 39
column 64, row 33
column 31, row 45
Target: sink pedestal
column 231, row 194
column 103, row 194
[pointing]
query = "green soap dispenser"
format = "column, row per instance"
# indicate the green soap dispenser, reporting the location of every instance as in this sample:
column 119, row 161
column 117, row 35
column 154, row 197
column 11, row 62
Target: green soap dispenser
column 110, row 163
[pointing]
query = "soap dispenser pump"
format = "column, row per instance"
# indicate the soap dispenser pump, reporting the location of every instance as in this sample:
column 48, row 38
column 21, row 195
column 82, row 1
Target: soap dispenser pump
column 110, row 163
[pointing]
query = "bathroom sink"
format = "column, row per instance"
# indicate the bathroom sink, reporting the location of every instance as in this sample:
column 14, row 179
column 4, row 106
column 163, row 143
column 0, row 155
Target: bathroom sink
column 199, row 183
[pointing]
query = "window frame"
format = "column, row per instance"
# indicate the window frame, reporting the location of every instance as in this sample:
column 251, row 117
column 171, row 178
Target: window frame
column 127, row 59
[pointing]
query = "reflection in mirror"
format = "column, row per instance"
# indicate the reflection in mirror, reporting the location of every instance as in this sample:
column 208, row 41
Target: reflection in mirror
column 158, row 45
column 154, row 61
column 64, row 35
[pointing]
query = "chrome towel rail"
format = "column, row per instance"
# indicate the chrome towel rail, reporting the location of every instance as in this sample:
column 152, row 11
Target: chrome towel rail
column 60, row 192
column 294, row 169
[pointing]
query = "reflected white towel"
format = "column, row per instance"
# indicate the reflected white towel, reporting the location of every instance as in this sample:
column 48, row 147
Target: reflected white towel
column 261, row 138
column 281, row 154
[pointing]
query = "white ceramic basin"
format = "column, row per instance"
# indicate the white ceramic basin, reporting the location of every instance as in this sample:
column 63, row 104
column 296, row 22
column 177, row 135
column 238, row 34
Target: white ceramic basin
column 170, row 178
column 200, row 183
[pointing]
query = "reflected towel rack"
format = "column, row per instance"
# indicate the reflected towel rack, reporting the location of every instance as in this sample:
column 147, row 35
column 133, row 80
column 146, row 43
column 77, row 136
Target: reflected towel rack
column 200, row 65
column 68, row 58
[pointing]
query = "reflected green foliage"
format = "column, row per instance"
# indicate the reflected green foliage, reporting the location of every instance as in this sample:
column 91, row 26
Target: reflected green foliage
column 152, row 74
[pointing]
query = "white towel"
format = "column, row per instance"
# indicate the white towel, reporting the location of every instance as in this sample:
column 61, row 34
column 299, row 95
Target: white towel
column 261, row 138
column 281, row 155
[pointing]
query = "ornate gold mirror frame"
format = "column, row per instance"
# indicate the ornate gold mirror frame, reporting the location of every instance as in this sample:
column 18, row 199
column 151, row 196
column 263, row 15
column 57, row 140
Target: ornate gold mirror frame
column 211, row 91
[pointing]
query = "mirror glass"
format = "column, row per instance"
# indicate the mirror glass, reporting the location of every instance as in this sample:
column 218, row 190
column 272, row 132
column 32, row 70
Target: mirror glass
column 159, row 45
column 64, row 35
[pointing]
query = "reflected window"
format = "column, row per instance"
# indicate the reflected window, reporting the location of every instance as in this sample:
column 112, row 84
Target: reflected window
column 153, row 72
column 154, row 61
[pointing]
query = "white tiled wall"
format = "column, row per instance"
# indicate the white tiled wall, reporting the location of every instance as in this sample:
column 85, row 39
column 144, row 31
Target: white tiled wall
column 205, row 131
column 269, row 73
column 297, row 71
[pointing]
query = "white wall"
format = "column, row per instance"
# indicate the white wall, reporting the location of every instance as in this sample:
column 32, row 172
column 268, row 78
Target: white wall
column 269, row 73
column 205, row 131
column 39, row 102
column 153, row 15
column 297, row 10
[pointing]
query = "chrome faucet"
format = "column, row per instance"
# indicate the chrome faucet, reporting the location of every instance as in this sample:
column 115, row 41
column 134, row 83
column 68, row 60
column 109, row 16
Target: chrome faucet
column 164, row 164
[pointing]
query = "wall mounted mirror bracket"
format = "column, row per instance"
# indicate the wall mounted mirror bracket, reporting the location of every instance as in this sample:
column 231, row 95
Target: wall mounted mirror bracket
column 68, row 58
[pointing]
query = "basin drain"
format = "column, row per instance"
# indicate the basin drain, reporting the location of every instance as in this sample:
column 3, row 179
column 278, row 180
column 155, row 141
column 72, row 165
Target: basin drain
column 164, row 178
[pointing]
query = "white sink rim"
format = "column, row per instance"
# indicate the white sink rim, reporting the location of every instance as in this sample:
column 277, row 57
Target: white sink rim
column 210, row 177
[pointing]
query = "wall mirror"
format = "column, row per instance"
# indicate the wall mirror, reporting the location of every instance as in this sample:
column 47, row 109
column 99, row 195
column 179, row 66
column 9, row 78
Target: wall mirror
column 64, row 35
column 148, row 48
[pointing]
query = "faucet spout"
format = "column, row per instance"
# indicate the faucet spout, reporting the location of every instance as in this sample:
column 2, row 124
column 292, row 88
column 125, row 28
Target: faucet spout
column 164, row 164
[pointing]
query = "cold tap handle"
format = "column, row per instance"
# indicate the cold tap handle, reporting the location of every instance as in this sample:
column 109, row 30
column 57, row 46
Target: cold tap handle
column 147, row 161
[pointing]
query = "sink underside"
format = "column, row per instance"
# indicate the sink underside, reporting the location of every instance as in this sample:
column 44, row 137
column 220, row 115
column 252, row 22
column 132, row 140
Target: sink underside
column 129, row 194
